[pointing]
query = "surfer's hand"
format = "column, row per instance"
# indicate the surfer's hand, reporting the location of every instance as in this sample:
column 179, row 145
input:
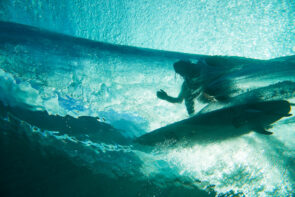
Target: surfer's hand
column 162, row 94
column 206, row 98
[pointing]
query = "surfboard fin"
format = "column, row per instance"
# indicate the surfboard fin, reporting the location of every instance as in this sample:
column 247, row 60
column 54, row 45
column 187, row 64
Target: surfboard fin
column 263, row 131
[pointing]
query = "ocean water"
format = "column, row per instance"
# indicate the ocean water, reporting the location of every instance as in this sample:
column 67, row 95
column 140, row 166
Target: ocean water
column 249, row 28
column 72, row 101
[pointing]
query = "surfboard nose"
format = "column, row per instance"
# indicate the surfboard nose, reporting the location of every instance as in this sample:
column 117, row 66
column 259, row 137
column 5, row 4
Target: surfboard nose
column 280, row 107
column 273, row 111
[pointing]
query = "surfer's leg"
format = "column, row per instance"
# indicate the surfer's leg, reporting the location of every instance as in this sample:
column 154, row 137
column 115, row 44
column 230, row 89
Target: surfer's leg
column 190, row 104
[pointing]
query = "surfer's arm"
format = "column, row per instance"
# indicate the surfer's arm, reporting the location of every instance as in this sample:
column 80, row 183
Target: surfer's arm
column 164, row 96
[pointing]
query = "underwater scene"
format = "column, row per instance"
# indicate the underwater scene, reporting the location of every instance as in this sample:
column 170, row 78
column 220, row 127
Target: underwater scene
column 147, row 98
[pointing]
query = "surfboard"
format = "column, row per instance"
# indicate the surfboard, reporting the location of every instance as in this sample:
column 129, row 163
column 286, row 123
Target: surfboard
column 221, row 124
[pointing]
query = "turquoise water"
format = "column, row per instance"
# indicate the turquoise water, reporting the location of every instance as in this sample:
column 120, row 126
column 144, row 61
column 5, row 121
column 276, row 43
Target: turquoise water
column 249, row 28
column 72, row 107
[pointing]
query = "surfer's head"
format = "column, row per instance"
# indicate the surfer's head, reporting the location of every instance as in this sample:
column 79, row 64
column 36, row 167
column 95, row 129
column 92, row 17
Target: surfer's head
column 186, row 68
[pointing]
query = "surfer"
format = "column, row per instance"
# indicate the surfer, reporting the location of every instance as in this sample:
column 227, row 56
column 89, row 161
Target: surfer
column 194, row 75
